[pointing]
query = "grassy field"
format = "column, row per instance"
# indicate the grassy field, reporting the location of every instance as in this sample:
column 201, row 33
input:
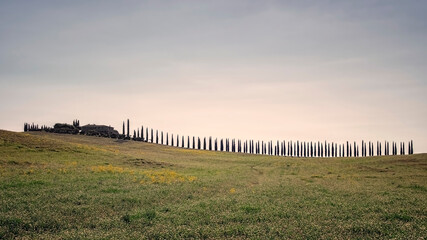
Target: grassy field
column 72, row 187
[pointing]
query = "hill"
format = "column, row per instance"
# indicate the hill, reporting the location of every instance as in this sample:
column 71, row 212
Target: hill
column 70, row 186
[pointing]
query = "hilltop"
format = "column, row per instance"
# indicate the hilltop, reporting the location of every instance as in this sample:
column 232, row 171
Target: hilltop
column 74, row 186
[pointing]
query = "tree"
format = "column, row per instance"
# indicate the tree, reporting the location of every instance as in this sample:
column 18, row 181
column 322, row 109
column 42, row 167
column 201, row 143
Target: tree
column 128, row 129
column 152, row 135
column 146, row 134
column 177, row 140
column 172, row 140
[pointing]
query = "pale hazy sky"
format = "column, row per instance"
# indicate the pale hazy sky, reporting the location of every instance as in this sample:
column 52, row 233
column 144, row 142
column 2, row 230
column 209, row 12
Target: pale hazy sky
column 292, row 70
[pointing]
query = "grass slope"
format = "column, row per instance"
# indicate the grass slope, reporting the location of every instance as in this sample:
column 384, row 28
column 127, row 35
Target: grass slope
column 71, row 187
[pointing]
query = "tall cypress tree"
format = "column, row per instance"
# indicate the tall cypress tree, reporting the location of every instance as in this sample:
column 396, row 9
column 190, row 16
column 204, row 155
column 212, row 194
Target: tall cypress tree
column 167, row 139
column 123, row 128
column 152, row 135
column 177, row 140
column 172, row 140
column 157, row 136
column 161, row 140
column 146, row 134
column 261, row 147
column 363, row 149
column 128, row 129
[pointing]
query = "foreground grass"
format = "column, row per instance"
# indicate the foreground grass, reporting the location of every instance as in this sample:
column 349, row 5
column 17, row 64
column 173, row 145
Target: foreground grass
column 63, row 187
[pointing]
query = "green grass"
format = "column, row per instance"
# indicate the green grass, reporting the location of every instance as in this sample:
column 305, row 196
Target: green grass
column 56, row 186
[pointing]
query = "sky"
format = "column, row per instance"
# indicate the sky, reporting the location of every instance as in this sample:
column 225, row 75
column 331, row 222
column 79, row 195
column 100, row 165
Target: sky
column 263, row 70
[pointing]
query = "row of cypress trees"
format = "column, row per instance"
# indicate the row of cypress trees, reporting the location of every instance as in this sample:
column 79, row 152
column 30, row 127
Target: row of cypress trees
column 279, row 148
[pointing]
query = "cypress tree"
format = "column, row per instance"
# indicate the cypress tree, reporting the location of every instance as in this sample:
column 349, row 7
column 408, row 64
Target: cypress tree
column 265, row 148
column 152, row 135
column 314, row 149
column 348, row 151
column 321, row 149
column 194, row 142
column 157, row 136
column 387, row 148
column 304, row 150
column 369, row 148
column 128, row 129
column 363, row 149
column 188, row 142
column 167, row 139
column 172, row 140
column 284, row 148
column 134, row 134
column 146, row 132
column 177, row 140
column 216, row 144
column 261, row 148
column 392, row 148
column 296, row 152
column 297, row 148
column 123, row 128
column 395, row 146
column 182, row 142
